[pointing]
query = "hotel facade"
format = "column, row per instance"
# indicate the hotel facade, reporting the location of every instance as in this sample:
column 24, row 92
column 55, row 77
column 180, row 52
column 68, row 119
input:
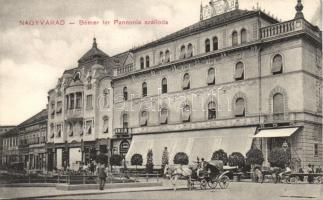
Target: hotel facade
column 234, row 80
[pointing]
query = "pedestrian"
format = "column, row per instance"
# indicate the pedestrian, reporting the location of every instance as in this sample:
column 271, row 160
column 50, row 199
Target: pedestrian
column 310, row 177
column 102, row 175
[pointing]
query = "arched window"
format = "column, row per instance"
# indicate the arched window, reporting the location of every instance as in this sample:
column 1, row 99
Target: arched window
column 105, row 97
column 211, row 76
column 189, row 50
column 239, row 71
column 182, row 53
column 125, row 121
column 186, row 81
column 147, row 61
column 144, row 89
column 167, row 56
column 77, row 76
column 164, row 85
column 277, row 67
column 142, row 63
column 125, row 93
column 163, row 116
column 239, row 108
column 161, row 57
column 186, row 113
column 278, row 106
column 143, row 118
column 215, row 44
column 207, row 45
column 234, row 38
column 243, row 36
column 211, row 107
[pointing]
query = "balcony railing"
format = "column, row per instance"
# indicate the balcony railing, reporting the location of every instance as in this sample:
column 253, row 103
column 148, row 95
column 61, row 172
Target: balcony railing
column 124, row 69
column 288, row 27
column 74, row 113
column 122, row 131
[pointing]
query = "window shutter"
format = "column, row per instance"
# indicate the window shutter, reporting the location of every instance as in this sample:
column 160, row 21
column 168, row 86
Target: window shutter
column 106, row 125
column 186, row 81
column 277, row 64
column 163, row 116
column 70, row 130
column 240, row 107
column 143, row 118
column 278, row 104
column 211, row 77
column 186, row 114
column 239, row 73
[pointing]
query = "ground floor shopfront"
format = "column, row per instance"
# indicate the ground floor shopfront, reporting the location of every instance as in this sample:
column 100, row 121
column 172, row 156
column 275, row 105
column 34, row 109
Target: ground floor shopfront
column 33, row 157
column 75, row 154
column 303, row 140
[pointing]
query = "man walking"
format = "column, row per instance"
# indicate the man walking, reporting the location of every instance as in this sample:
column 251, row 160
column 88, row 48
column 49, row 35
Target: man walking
column 102, row 175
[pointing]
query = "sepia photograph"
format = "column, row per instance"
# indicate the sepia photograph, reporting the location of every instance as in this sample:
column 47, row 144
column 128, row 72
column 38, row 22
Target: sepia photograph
column 161, row 99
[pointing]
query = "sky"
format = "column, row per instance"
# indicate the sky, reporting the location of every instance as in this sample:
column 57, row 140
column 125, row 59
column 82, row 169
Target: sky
column 33, row 57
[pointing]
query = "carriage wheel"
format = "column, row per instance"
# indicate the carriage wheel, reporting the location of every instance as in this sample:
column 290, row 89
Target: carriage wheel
column 190, row 184
column 213, row 183
column 203, row 184
column 224, row 182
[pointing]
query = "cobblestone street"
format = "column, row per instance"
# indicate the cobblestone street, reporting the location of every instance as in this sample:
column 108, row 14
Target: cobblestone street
column 236, row 191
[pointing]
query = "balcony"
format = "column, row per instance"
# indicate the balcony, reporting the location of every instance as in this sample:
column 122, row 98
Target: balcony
column 122, row 132
column 74, row 114
column 289, row 27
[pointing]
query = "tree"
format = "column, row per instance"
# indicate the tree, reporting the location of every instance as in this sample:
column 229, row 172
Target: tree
column 165, row 158
column 279, row 157
column 115, row 160
column 254, row 157
column 181, row 158
column 102, row 158
column 150, row 163
column 136, row 159
column 236, row 159
column 220, row 155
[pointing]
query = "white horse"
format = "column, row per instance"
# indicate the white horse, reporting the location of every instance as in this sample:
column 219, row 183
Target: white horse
column 175, row 171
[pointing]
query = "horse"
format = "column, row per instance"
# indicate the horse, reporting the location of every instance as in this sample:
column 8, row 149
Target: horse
column 174, row 172
column 261, row 174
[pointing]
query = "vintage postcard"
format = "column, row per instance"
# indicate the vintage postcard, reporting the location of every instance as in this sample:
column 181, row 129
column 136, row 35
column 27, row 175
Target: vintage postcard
column 161, row 99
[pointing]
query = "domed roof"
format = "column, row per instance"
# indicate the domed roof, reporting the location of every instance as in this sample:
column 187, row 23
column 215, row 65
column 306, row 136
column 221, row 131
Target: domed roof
column 93, row 52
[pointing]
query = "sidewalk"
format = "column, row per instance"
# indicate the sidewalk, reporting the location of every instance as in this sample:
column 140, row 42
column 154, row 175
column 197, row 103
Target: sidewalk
column 42, row 192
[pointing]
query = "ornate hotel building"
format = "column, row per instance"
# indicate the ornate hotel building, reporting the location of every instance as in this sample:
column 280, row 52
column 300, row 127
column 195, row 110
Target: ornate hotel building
column 233, row 80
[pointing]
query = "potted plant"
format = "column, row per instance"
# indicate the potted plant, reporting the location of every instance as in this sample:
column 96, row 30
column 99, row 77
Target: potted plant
column 254, row 158
column 149, row 163
column 136, row 160
column 220, row 155
column 237, row 159
column 181, row 158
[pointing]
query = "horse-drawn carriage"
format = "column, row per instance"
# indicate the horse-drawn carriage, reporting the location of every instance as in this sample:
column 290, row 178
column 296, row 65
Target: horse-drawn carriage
column 212, row 175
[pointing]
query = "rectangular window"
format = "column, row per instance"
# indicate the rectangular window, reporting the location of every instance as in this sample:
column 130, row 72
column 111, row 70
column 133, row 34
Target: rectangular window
column 316, row 150
column 78, row 100
column 88, row 127
column 89, row 102
column 59, row 130
column 59, row 107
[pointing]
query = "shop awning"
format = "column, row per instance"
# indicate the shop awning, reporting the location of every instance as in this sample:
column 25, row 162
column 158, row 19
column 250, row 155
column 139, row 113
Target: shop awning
column 195, row 144
column 279, row 132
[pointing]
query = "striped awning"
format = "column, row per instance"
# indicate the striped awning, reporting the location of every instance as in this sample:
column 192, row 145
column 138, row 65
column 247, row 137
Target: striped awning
column 279, row 132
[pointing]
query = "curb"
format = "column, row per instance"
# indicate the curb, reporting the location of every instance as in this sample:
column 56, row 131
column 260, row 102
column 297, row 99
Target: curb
column 142, row 189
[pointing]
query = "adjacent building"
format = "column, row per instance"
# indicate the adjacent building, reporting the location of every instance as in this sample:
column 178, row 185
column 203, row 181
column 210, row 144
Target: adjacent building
column 32, row 142
column 235, row 79
column 10, row 141
column 3, row 129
